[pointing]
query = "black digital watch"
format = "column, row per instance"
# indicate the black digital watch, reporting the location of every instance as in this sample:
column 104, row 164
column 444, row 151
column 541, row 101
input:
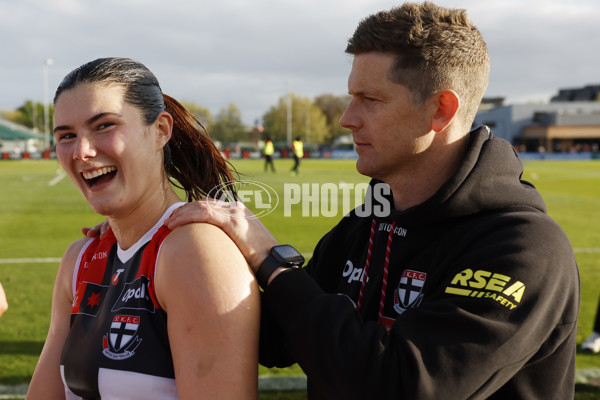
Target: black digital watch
column 283, row 255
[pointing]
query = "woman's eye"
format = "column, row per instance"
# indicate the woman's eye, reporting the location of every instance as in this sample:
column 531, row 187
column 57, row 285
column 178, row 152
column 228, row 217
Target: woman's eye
column 104, row 125
column 65, row 136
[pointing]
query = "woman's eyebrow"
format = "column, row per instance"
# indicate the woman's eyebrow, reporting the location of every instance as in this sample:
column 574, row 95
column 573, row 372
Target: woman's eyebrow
column 89, row 121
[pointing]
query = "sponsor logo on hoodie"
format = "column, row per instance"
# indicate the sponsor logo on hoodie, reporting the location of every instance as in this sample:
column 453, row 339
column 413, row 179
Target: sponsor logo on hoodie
column 353, row 274
column 482, row 284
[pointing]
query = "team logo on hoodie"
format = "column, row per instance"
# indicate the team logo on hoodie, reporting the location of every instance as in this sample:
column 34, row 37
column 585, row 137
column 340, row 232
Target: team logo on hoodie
column 408, row 293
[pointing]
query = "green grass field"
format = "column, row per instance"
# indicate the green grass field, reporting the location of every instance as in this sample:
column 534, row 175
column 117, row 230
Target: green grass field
column 41, row 215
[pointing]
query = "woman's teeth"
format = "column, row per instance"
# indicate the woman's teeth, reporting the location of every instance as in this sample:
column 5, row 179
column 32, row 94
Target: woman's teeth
column 98, row 172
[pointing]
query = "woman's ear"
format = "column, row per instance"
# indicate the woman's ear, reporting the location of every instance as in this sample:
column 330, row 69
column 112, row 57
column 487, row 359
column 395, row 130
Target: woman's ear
column 164, row 127
column 447, row 103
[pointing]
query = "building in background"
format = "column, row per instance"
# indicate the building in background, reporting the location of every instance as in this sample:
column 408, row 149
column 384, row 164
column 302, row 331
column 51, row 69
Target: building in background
column 569, row 123
column 17, row 141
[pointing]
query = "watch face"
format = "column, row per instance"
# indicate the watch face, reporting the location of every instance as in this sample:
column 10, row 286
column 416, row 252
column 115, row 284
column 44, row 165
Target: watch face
column 288, row 254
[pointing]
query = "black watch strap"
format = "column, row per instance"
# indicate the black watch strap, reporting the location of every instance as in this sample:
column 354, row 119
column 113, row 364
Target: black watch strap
column 266, row 269
column 280, row 256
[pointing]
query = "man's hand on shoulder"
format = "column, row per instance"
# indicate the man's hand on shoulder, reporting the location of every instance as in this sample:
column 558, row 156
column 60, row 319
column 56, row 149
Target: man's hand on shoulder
column 252, row 238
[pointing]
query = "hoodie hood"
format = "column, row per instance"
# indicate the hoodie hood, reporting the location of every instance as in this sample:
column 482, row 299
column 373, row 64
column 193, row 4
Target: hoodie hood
column 489, row 178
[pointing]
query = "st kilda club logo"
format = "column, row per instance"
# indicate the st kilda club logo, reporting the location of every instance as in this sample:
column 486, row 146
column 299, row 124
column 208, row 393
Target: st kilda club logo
column 122, row 339
column 408, row 293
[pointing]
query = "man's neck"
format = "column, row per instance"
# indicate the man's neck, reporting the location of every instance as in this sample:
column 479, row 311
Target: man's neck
column 414, row 187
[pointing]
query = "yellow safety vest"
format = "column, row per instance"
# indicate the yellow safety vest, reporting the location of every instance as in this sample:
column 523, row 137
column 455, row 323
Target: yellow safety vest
column 268, row 150
column 298, row 148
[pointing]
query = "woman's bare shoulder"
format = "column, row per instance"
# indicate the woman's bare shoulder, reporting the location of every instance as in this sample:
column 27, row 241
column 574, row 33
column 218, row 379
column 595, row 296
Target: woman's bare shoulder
column 203, row 239
column 199, row 255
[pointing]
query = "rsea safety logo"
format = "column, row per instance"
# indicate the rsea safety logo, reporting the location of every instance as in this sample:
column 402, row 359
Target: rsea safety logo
column 488, row 285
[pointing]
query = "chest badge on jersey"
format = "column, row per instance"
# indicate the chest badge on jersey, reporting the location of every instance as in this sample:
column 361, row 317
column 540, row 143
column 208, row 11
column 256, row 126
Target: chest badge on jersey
column 88, row 298
column 408, row 293
column 121, row 340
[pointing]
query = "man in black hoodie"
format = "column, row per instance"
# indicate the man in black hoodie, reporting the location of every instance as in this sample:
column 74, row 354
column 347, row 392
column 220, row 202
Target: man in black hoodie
column 464, row 288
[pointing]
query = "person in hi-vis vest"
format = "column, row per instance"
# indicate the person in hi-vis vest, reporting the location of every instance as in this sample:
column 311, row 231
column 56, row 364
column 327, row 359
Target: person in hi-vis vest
column 298, row 152
column 268, row 151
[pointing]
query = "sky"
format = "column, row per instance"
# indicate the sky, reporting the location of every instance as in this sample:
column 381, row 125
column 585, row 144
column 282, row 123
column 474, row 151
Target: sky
column 252, row 52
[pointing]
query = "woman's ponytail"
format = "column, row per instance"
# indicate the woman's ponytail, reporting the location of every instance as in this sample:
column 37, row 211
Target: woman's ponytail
column 192, row 161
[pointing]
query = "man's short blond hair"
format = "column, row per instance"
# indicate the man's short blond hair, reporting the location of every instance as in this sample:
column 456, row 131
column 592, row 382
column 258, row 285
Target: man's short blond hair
column 436, row 48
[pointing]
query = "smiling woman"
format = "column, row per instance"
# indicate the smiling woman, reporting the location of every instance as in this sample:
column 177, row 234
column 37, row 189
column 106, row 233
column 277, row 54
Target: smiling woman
column 139, row 305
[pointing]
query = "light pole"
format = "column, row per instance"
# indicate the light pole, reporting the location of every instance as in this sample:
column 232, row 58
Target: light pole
column 289, row 114
column 47, row 62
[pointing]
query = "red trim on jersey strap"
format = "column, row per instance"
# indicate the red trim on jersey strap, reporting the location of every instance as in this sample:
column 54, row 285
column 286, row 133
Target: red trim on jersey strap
column 95, row 255
column 149, row 260
column 93, row 264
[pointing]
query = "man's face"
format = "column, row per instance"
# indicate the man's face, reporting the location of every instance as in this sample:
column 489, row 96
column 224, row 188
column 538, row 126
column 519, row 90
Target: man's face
column 392, row 134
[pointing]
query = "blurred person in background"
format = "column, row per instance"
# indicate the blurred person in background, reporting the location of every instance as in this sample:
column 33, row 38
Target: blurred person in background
column 298, row 152
column 3, row 302
column 268, row 151
column 592, row 343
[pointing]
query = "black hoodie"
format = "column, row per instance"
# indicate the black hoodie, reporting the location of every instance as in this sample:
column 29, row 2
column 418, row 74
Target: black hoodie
column 480, row 300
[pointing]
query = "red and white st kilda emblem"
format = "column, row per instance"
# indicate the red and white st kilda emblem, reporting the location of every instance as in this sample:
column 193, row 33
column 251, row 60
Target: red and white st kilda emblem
column 408, row 293
column 121, row 340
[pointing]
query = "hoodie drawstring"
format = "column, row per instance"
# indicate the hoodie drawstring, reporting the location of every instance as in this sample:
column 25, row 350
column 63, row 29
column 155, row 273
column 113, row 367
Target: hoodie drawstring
column 367, row 265
column 386, row 268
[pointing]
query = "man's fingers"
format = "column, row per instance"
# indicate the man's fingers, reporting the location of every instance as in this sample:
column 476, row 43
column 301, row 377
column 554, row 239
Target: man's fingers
column 90, row 232
column 235, row 219
column 215, row 212
column 190, row 212
column 98, row 230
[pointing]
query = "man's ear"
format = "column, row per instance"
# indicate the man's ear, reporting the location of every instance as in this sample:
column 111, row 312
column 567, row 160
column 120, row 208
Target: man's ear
column 447, row 103
column 164, row 127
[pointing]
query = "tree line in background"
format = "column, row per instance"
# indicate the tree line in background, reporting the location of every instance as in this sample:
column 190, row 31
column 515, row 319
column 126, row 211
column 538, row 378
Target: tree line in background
column 315, row 121
column 30, row 115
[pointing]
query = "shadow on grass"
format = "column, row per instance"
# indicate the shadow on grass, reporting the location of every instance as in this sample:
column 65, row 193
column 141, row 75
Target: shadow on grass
column 582, row 392
column 587, row 392
column 26, row 348
column 276, row 395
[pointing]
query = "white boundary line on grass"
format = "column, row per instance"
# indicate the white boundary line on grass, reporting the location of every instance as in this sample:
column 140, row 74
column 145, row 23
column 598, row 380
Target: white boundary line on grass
column 286, row 383
column 587, row 250
column 44, row 260
column 29, row 260
column 59, row 176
